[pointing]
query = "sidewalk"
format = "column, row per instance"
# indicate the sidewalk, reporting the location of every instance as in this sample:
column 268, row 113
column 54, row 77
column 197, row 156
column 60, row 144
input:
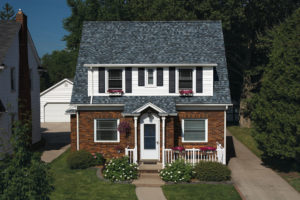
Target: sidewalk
column 256, row 181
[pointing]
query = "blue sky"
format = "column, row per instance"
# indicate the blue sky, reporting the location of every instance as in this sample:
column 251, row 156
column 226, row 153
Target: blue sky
column 45, row 22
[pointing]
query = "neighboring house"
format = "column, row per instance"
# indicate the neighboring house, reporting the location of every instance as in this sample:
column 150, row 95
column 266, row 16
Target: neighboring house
column 55, row 101
column 19, row 77
column 167, row 80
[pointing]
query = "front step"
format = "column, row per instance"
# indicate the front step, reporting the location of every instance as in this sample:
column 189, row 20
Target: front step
column 150, row 168
column 148, row 180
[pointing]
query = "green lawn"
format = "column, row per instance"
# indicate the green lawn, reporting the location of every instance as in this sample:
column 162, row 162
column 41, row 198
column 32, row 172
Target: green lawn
column 200, row 191
column 244, row 136
column 84, row 184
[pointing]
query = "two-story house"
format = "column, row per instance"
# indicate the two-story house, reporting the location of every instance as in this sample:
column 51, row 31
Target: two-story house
column 166, row 81
column 19, row 79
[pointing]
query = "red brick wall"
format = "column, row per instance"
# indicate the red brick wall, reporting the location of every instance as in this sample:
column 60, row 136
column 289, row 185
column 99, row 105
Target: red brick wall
column 173, row 131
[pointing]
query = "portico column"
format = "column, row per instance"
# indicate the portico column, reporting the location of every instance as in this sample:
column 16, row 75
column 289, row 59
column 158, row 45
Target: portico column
column 135, row 139
column 163, row 140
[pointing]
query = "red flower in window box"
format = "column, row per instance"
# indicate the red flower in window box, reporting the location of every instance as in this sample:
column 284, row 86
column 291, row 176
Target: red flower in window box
column 186, row 92
column 178, row 149
column 207, row 148
column 115, row 92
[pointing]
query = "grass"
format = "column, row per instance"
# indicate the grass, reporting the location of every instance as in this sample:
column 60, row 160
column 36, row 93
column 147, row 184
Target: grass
column 244, row 136
column 200, row 191
column 84, row 184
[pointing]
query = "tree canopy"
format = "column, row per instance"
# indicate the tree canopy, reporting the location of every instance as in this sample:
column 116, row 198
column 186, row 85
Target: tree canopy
column 7, row 12
column 275, row 110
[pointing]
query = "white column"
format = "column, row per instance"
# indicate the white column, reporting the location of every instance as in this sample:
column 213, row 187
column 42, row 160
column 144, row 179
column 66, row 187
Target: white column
column 163, row 140
column 77, row 130
column 135, row 139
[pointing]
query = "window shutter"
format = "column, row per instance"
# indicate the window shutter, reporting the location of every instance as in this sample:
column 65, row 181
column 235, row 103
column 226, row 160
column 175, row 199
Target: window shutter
column 199, row 80
column 101, row 72
column 171, row 79
column 141, row 81
column 160, row 76
column 128, row 79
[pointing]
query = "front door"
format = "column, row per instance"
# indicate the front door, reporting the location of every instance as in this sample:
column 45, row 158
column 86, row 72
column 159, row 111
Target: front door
column 149, row 141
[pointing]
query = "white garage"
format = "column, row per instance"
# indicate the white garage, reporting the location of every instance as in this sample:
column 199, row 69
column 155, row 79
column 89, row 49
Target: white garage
column 55, row 101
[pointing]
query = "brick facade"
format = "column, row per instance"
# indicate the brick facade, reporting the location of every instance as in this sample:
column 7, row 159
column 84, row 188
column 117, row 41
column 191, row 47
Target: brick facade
column 172, row 124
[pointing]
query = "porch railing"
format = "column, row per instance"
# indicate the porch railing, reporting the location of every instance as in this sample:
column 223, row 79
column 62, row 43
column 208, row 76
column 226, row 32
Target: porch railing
column 132, row 155
column 194, row 156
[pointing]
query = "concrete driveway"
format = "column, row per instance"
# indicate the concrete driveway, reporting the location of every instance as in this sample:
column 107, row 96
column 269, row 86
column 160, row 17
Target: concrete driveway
column 57, row 137
column 255, row 181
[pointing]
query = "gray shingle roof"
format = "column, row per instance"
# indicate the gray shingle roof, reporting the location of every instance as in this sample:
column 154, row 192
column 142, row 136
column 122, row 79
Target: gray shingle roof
column 182, row 42
column 8, row 31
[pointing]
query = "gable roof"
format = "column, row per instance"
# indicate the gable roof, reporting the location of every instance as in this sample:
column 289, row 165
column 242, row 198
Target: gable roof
column 178, row 42
column 8, row 31
column 55, row 86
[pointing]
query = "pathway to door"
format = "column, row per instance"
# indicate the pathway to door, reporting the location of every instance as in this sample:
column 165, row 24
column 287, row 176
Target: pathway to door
column 256, row 181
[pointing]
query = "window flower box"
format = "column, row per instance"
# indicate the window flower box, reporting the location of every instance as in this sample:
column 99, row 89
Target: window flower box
column 208, row 149
column 186, row 93
column 115, row 92
column 178, row 149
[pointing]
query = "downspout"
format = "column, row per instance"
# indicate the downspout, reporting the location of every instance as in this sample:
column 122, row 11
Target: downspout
column 163, row 141
column 224, row 161
column 135, row 139
column 92, row 93
column 77, row 129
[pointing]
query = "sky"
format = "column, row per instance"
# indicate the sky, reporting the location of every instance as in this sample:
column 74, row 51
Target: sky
column 45, row 22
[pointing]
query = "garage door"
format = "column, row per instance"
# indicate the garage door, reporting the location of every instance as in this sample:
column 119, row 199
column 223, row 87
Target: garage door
column 55, row 112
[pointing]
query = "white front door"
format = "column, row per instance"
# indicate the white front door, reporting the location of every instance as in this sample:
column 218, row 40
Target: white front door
column 150, row 140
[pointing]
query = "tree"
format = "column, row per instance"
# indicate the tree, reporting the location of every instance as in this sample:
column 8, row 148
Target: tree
column 7, row 13
column 25, row 176
column 276, row 108
column 59, row 65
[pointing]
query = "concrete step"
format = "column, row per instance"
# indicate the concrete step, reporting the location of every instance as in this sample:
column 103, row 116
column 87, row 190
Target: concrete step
column 148, row 180
column 150, row 168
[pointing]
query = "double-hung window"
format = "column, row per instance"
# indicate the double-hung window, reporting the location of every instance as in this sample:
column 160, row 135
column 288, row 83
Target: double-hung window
column 185, row 79
column 150, row 77
column 106, row 130
column 115, row 79
column 194, row 130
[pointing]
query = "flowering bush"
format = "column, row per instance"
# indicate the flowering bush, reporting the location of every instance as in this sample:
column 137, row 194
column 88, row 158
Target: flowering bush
column 99, row 159
column 119, row 169
column 178, row 149
column 177, row 172
column 124, row 127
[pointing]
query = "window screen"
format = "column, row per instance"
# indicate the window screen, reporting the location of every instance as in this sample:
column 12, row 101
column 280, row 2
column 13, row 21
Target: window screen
column 185, row 79
column 194, row 130
column 115, row 79
column 106, row 130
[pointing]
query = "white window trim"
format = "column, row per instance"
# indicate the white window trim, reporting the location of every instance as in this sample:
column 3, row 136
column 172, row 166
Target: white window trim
column 195, row 141
column 105, row 141
column 107, row 79
column 154, row 85
column 193, row 77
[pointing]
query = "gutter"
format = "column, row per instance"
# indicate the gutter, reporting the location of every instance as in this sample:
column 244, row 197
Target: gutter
column 154, row 65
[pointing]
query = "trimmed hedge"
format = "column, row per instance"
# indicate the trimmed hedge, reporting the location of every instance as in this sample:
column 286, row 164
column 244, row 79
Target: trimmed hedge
column 212, row 171
column 80, row 160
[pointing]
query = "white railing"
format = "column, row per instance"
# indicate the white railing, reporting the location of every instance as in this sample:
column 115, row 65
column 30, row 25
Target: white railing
column 132, row 155
column 194, row 156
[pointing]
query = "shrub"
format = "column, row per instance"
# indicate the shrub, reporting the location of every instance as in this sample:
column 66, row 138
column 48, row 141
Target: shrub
column 80, row 160
column 98, row 159
column 119, row 169
column 212, row 171
column 177, row 172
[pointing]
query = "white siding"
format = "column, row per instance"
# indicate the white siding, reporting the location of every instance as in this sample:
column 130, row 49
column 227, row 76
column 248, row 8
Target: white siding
column 9, row 98
column 156, row 90
column 35, row 94
column 59, row 94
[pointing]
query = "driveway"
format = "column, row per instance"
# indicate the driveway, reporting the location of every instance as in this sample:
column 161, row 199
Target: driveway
column 57, row 137
column 254, row 180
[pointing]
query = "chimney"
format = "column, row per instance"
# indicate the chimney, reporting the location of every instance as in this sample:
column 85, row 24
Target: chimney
column 24, row 76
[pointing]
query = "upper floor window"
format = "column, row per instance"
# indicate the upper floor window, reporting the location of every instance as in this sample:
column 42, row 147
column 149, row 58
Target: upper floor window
column 115, row 79
column 12, row 79
column 185, row 79
column 150, row 77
